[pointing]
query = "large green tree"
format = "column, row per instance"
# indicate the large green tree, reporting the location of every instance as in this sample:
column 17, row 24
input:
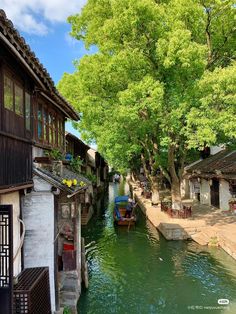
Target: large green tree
column 142, row 91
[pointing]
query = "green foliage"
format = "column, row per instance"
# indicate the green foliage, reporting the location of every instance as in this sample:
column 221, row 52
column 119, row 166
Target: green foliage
column 215, row 119
column 162, row 82
column 55, row 154
column 76, row 163
column 67, row 310
column 91, row 177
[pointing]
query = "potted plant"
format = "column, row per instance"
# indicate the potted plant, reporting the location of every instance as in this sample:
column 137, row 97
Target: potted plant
column 76, row 163
column 49, row 156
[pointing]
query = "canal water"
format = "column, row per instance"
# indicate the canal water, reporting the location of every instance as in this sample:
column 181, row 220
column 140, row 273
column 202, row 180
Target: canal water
column 139, row 272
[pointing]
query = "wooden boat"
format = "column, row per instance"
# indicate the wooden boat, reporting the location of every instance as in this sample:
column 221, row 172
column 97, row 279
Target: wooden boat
column 123, row 211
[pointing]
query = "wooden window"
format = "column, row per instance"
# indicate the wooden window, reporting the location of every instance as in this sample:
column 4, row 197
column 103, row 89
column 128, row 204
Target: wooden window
column 40, row 122
column 59, row 132
column 50, row 116
column 62, row 132
column 19, row 100
column 49, row 126
column 27, row 111
column 45, row 125
column 8, row 93
column 55, row 130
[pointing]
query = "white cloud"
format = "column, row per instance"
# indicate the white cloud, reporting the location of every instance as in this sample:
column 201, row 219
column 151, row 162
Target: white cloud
column 72, row 42
column 35, row 16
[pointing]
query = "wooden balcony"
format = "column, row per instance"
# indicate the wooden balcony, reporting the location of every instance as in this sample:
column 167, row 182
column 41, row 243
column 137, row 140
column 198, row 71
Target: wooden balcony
column 15, row 162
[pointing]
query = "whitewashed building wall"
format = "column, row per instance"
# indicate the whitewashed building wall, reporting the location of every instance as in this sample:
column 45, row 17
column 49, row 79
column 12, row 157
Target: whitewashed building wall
column 185, row 188
column 205, row 194
column 194, row 189
column 38, row 215
column 224, row 195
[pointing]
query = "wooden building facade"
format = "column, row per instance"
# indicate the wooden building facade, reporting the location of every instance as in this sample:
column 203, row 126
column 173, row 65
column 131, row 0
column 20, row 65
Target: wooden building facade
column 32, row 121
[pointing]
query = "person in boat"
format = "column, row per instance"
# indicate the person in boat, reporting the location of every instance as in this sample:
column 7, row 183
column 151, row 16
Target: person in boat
column 129, row 208
column 116, row 178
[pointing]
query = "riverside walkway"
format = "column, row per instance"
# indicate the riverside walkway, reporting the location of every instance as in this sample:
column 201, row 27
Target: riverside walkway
column 206, row 226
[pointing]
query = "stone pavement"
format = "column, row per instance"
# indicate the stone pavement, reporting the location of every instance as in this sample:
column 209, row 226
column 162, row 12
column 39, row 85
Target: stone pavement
column 207, row 226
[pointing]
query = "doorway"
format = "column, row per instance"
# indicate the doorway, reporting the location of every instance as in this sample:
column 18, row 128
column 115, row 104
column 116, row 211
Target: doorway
column 215, row 195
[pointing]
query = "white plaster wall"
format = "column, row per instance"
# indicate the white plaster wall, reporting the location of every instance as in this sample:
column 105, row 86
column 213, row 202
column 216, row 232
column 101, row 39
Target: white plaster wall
column 205, row 197
column 184, row 188
column 14, row 199
column 194, row 188
column 38, row 215
column 224, row 195
column 191, row 188
column 215, row 149
column 37, row 152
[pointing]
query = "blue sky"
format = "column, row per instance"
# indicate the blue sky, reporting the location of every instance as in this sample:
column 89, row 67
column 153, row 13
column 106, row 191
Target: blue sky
column 43, row 25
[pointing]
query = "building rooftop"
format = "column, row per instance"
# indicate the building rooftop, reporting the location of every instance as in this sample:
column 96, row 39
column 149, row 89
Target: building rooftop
column 12, row 39
column 56, row 179
column 222, row 163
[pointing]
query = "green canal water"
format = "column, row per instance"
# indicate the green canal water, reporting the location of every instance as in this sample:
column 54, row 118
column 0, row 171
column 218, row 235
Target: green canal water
column 140, row 272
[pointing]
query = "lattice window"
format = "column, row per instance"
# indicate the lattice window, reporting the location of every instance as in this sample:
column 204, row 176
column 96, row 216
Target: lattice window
column 4, row 250
column 6, row 258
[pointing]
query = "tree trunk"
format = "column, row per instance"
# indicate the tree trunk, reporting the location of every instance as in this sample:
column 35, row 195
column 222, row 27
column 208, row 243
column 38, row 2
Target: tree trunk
column 155, row 190
column 175, row 180
column 176, row 194
column 146, row 171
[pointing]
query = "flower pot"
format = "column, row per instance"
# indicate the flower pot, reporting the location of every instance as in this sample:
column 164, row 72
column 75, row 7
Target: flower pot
column 43, row 160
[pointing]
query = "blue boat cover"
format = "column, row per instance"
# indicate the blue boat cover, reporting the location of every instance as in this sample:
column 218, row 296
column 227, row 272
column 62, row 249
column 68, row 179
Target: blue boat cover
column 120, row 199
column 117, row 213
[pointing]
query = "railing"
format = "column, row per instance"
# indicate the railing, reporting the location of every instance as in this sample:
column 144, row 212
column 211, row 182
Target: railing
column 15, row 161
column 186, row 212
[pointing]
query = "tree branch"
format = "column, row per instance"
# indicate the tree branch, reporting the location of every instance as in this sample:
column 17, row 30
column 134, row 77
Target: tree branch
column 208, row 34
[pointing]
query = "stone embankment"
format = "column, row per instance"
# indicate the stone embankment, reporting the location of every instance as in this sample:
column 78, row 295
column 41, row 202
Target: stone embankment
column 207, row 226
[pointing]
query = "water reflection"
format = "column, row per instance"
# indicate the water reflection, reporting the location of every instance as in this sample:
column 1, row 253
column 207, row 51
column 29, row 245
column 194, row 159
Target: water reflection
column 140, row 272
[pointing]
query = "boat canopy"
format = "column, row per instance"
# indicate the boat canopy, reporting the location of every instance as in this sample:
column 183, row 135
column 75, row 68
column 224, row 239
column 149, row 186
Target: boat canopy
column 120, row 199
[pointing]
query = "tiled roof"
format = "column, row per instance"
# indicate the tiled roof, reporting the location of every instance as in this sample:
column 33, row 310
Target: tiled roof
column 223, row 162
column 56, row 180
column 77, row 139
column 12, row 36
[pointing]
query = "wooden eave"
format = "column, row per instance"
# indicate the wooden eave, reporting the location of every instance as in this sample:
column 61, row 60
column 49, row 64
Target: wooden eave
column 76, row 139
column 12, row 188
column 210, row 175
column 17, row 45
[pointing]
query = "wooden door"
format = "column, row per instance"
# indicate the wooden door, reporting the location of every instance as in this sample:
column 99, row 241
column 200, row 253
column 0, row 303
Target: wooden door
column 215, row 195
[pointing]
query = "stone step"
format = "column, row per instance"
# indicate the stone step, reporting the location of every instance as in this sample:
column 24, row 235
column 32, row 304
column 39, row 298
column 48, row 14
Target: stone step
column 59, row 311
column 68, row 303
column 201, row 238
column 68, row 294
column 70, row 287
column 192, row 230
column 227, row 245
column 68, row 298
